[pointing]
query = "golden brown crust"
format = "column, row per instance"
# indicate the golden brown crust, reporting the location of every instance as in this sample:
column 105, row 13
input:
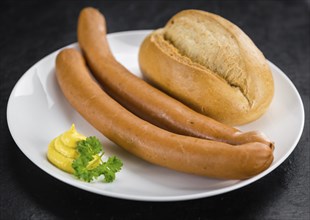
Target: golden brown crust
column 230, row 82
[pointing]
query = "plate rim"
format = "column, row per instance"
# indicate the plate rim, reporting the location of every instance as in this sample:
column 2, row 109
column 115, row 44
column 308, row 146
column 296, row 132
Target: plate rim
column 89, row 188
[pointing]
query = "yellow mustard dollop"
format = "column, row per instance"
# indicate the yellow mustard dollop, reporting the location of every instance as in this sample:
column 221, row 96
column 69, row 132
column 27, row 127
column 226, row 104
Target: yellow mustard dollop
column 62, row 149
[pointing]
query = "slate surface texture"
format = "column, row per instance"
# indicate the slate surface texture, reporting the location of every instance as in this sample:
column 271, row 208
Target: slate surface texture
column 30, row 30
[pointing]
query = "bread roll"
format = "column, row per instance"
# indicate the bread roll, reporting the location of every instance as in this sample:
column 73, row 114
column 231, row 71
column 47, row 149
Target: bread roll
column 209, row 64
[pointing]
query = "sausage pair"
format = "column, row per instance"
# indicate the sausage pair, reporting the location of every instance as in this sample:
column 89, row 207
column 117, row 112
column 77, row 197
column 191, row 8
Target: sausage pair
column 216, row 150
column 149, row 142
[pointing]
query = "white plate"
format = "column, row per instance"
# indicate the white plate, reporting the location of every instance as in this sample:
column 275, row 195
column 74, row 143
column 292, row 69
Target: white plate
column 37, row 112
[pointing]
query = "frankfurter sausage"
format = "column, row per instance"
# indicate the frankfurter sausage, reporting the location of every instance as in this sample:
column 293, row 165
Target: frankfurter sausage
column 141, row 98
column 149, row 142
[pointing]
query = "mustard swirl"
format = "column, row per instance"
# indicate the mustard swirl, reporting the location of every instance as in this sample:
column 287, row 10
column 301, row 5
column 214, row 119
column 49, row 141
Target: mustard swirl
column 62, row 149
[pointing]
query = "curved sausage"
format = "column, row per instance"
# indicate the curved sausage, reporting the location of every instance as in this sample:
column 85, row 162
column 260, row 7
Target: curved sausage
column 149, row 142
column 141, row 98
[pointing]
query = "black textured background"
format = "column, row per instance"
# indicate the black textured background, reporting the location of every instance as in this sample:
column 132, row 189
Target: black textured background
column 30, row 30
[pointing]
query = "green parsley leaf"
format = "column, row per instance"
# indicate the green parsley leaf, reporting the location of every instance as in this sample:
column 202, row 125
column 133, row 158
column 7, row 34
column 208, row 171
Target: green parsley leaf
column 89, row 150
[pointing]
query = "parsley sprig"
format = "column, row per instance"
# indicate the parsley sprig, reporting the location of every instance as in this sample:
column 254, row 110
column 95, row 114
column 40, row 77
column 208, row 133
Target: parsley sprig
column 90, row 151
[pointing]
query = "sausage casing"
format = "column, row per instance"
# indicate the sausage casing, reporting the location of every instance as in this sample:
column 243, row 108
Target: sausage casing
column 149, row 142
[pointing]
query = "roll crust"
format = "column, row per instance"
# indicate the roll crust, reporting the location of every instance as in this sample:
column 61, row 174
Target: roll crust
column 209, row 64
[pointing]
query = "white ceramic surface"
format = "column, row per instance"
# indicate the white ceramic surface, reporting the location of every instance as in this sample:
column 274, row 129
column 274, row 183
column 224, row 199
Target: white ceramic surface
column 37, row 112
